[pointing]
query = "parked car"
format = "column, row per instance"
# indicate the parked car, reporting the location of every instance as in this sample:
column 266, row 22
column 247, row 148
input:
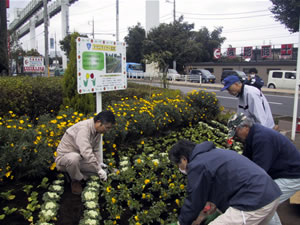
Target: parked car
column 206, row 76
column 281, row 79
column 238, row 73
column 173, row 75
column 59, row 72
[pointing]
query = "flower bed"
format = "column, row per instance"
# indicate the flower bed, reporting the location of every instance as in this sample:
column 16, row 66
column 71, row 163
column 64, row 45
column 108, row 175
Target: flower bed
column 145, row 188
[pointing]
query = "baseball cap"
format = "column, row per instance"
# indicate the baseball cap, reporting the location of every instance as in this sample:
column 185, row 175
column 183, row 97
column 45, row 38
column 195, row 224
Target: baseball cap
column 234, row 122
column 230, row 80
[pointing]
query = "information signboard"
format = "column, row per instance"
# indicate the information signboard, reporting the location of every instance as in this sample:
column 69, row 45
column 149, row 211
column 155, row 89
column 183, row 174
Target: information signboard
column 34, row 64
column 101, row 65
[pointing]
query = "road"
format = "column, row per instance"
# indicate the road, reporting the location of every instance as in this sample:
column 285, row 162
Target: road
column 281, row 104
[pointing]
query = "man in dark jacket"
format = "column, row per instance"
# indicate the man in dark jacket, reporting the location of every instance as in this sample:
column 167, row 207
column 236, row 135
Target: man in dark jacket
column 254, row 79
column 238, row 187
column 272, row 151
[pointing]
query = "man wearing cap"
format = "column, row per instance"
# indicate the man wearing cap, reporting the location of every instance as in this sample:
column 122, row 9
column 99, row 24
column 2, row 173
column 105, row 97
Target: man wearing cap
column 272, row 151
column 252, row 101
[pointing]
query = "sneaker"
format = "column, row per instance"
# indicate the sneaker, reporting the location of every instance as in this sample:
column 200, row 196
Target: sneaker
column 76, row 187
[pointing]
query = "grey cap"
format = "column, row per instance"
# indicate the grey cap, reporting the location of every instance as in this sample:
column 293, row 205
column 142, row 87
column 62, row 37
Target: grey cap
column 234, row 122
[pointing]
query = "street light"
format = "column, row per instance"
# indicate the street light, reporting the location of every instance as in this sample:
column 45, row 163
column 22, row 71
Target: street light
column 174, row 14
column 174, row 8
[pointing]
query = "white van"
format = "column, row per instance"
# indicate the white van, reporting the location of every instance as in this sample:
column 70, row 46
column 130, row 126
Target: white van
column 281, row 79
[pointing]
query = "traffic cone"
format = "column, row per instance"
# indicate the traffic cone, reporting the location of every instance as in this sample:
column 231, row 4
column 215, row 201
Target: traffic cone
column 298, row 126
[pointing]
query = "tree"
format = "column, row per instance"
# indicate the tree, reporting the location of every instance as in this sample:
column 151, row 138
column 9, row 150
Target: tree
column 209, row 41
column 3, row 39
column 161, row 60
column 84, row 103
column 134, row 40
column 287, row 12
column 185, row 45
column 65, row 44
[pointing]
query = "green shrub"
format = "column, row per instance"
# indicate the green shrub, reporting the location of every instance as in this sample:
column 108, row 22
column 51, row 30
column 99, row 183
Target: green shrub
column 30, row 96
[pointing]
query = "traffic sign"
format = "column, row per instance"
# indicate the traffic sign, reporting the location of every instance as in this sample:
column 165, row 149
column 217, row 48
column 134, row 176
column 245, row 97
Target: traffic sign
column 217, row 53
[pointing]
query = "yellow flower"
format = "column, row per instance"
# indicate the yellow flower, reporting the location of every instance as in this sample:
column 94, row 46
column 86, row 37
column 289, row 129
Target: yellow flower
column 136, row 218
column 114, row 146
column 171, row 185
column 181, row 186
column 108, row 189
column 118, row 217
column 146, row 181
column 52, row 167
column 143, row 195
column 177, row 201
column 21, row 121
column 8, row 173
column 138, row 160
column 12, row 145
column 113, row 200
column 55, row 153
column 142, row 142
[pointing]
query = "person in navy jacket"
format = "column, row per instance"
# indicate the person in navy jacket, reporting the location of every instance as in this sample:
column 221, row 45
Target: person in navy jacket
column 272, row 151
column 243, row 191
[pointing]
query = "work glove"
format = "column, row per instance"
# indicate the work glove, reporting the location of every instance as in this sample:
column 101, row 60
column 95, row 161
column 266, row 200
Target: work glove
column 102, row 174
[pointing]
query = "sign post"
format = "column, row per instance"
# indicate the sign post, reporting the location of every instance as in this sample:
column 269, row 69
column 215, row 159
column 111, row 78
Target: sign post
column 101, row 66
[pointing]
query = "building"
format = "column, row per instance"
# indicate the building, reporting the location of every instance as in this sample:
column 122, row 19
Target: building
column 275, row 61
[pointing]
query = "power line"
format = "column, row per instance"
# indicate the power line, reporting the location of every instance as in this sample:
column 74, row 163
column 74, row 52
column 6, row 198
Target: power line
column 223, row 14
column 230, row 18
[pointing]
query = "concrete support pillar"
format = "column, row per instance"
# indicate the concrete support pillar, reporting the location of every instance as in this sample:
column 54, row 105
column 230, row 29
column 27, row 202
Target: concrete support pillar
column 32, row 32
column 64, row 26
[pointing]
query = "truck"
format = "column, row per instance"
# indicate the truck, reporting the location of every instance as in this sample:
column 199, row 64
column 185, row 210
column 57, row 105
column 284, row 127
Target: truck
column 134, row 70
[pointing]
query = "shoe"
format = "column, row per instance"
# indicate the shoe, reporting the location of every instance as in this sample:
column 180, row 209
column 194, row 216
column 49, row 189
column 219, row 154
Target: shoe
column 76, row 187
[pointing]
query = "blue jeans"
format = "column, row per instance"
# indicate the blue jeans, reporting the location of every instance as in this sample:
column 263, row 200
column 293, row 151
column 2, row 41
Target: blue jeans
column 288, row 188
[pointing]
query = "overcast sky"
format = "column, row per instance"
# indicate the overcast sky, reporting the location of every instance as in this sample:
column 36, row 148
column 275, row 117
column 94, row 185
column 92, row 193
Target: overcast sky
column 244, row 22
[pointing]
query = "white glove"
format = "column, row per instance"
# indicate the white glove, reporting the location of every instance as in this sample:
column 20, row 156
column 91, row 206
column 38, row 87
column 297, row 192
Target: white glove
column 103, row 165
column 102, row 174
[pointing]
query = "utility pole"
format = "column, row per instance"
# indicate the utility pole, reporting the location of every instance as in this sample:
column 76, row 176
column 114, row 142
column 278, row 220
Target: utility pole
column 45, row 2
column 117, row 20
column 174, row 10
column 93, row 27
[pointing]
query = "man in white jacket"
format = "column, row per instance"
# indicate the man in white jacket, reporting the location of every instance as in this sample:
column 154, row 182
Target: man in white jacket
column 252, row 101
column 78, row 152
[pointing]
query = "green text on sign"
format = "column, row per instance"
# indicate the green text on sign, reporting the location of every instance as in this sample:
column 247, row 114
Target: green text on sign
column 93, row 60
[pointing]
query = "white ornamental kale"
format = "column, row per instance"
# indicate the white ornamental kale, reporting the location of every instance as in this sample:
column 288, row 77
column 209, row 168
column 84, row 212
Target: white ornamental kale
column 47, row 214
column 123, row 163
column 58, row 182
column 50, row 205
column 93, row 184
column 93, row 213
column 124, row 169
column 89, row 195
column 94, row 178
column 57, row 188
column 91, row 204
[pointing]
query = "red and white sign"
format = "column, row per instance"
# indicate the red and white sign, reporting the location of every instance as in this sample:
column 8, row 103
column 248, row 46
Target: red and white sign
column 34, row 64
column 247, row 52
column 217, row 53
column 266, row 51
column 231, row 52
column 286, row 49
